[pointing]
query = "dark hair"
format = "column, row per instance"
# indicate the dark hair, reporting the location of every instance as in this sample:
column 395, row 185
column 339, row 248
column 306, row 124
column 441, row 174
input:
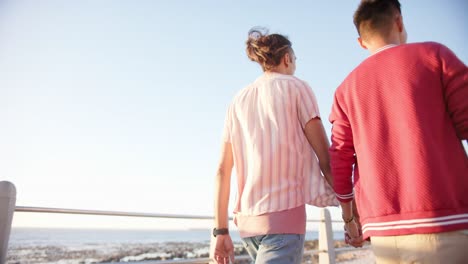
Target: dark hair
column 375, row 16
column 266, row 49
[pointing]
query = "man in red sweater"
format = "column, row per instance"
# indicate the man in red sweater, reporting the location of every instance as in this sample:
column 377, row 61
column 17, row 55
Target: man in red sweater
column 399, row 120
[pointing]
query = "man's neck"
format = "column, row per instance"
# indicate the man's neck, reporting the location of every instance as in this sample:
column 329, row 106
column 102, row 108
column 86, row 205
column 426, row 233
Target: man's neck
column 380, row 44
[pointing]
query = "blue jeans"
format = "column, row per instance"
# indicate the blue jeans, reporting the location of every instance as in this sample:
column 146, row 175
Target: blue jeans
column 275, row 249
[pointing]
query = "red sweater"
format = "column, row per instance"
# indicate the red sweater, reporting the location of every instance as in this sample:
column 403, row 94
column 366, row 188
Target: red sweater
column 398, row 121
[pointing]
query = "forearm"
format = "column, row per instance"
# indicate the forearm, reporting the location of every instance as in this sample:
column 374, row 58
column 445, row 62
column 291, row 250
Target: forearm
column 356, row 211
column 347, row 210
column 342, row 159
column 223, row 187
column 317, row 137
column 326, row 170
column 222, row 192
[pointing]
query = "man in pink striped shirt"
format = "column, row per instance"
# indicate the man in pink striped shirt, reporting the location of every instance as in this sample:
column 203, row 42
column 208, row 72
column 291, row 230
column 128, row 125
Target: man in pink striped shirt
column 398, row 122
column 274, row 137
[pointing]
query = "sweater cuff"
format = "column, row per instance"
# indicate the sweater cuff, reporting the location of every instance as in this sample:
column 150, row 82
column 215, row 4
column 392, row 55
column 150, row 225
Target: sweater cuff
column 345, row 197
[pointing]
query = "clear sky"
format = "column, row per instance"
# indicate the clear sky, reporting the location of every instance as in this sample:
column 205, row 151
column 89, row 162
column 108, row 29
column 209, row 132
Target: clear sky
column 119, row 105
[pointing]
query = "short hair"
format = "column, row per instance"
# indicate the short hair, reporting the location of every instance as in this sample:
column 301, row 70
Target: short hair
column 375, row 17
column 266, row 49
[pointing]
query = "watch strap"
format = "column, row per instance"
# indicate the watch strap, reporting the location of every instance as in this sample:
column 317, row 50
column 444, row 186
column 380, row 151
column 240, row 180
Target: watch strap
column 220, row 231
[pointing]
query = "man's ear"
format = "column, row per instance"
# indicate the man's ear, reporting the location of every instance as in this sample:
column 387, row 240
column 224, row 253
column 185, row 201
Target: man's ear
column 399, row 22
column 361, row 43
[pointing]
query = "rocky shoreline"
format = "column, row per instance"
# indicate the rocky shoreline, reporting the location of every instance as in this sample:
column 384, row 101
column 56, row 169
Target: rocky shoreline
column 136, row 252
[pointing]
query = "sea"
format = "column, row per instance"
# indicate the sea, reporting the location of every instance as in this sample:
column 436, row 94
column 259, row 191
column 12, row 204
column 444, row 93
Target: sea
column 76, row 237
column 83, row 246
column 62, row 236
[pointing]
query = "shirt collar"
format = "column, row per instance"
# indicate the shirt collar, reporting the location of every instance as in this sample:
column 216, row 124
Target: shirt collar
column 384, row 48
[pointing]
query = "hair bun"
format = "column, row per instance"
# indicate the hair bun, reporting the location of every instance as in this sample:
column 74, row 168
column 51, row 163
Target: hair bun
column 255, row 35
column 257, row 32
column 266, row 49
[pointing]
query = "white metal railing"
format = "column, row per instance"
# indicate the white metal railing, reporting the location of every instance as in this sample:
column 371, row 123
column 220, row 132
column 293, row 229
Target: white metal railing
column 107, row 213
column 7, row 206
column 326, row 250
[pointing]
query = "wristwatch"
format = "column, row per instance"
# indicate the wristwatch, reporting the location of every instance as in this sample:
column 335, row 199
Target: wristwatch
column 220, row 231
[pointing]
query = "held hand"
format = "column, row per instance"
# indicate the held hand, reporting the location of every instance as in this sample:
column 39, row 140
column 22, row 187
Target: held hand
column 224, row 249
column 353, row 234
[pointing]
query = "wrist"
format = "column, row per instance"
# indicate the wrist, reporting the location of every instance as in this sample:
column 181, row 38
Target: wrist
column 220, row 231
column 348, row 220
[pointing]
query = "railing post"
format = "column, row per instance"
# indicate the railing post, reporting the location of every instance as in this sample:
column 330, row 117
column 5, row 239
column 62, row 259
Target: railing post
column 212, row 248
column 7, row 208
column 326, row 242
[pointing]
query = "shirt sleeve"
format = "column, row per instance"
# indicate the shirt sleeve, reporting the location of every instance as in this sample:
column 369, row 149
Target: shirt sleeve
column 307, row 107
column 342, row 153
column 227, row 126
column 455, row 83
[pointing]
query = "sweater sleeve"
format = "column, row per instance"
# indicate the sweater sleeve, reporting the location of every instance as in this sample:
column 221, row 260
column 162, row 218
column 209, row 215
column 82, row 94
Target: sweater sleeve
column 342, row 153
column 455, row 84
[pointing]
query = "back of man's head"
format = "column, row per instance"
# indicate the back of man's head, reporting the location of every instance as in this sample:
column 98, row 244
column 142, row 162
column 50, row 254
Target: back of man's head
column 375, row 17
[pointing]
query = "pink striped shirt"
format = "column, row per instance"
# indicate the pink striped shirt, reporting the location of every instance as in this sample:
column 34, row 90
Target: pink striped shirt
column 276, row 167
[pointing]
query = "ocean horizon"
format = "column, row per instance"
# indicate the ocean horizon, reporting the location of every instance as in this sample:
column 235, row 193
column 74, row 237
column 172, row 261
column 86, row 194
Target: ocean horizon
column 86, row 246
column 35, row 236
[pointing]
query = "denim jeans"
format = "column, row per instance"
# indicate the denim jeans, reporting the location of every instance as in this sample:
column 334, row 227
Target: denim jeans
column 275, row 249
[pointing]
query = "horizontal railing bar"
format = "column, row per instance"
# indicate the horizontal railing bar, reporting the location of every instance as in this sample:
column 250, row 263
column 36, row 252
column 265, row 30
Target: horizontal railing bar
column 346, row 249
column 29, row 209
column 313, row 252
column 107, row 213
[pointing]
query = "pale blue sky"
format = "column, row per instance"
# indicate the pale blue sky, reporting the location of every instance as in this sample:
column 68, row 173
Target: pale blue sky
column 119, row 105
